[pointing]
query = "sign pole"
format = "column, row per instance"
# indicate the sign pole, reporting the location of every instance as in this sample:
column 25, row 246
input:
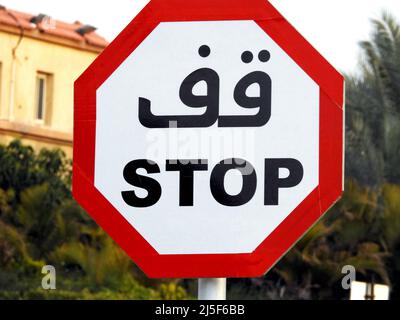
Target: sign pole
column 212, row 289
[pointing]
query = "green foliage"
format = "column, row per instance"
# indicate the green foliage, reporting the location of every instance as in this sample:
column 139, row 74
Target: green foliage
column 41, row 224
column 172, row 291
column 21, row 168
column 13, row 250
column 391, row 212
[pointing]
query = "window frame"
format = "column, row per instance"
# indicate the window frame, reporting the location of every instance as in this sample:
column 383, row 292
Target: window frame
column 46, row 103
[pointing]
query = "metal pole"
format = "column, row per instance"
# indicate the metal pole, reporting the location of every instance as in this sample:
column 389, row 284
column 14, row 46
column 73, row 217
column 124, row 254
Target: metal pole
column 212, row 289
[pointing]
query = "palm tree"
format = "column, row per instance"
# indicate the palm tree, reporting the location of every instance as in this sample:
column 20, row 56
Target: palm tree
column 373, row 108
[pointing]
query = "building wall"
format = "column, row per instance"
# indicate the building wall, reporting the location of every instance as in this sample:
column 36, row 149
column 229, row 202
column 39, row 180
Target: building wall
column 64, row 64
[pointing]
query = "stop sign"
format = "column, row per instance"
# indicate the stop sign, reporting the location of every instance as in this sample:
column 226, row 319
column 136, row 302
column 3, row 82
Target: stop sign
column 208, row 138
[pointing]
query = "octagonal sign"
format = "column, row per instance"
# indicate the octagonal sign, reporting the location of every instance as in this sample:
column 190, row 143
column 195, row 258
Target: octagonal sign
column 208, row 138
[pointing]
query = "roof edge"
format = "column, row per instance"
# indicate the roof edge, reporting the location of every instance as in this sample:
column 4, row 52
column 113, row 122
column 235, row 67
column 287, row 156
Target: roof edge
column 37, row 35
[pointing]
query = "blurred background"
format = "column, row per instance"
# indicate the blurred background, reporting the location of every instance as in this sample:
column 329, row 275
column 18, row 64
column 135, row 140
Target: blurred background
column 45, row 45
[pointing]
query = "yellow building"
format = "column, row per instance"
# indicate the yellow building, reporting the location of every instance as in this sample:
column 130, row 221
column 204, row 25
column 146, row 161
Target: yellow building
column 40, row 58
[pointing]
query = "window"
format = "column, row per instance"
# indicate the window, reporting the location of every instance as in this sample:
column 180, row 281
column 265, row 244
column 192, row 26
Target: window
column 43, row 98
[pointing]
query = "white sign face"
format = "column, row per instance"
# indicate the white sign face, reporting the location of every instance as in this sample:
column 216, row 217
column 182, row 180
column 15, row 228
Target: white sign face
column 207, row 91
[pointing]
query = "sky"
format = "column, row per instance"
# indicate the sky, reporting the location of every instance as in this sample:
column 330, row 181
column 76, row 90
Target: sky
column 334, row 28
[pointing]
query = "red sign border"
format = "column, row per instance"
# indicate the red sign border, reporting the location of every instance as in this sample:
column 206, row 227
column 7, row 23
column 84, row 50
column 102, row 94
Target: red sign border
column 295, row 225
